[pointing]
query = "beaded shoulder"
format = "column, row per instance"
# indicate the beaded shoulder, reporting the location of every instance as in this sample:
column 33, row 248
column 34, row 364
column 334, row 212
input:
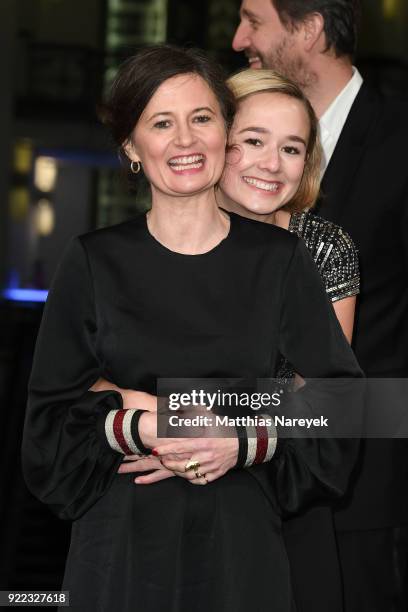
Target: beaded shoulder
column 333, row 251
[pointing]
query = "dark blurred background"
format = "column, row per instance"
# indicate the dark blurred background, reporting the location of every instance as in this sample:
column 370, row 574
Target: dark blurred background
column 59, row 176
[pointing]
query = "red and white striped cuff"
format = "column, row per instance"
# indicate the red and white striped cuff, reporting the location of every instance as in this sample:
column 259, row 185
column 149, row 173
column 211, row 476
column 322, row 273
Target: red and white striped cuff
column 262, row 441
column 120, row 433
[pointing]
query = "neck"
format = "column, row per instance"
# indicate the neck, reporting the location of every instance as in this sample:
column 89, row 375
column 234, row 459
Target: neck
column 277, row 217
column 187, row 224
column 330, row 78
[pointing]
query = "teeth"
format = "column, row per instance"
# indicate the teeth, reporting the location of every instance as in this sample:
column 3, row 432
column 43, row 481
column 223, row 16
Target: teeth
column 191, row 159
column 261, row 184
column 254, row 59
column 186, row 166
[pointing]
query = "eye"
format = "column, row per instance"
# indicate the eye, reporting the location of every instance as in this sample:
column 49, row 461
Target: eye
column 202, row 119
column 254, row 142
column 164, row 123
column 291, row 150
column 253, row 23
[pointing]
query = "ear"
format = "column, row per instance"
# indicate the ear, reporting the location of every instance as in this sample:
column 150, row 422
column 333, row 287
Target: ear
column 130, row 150
column 313, row 32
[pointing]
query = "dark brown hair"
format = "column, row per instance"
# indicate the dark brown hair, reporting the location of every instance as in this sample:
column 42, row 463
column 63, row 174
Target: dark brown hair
column 341, row 20
column 140, row 76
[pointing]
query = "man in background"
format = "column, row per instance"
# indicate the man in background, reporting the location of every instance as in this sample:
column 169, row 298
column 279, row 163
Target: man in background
column 365, row 190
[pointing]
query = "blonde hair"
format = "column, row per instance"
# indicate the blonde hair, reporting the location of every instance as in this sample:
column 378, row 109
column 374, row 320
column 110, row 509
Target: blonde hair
column 249, row 82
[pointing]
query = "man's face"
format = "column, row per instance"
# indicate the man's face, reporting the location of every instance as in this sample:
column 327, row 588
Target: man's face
column 265, row 40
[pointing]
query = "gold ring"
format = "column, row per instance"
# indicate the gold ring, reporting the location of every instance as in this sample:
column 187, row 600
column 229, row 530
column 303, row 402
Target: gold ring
column 191, row 465
column 199, row 475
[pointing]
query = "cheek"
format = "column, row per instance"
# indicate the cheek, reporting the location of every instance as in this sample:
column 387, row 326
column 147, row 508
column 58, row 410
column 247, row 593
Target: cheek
column 215, row 143
column 233, row 167
column 230, row 181
column 150, row 153
column 233, row 156
column 295, row 170
column 263, row 41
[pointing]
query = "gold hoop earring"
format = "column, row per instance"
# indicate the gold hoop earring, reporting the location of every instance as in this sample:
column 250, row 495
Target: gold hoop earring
column 133, row 168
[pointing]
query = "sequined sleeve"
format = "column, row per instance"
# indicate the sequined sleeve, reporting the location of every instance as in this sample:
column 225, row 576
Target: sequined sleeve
column 333, row 252
column 340, row 273
column 336, row 258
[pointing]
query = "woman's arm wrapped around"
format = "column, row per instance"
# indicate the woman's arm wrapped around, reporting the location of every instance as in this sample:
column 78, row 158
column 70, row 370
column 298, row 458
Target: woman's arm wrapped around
column 308, row 469
column 68, row 462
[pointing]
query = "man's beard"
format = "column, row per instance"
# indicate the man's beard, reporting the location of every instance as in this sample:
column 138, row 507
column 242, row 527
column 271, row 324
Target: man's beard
column 283, row 60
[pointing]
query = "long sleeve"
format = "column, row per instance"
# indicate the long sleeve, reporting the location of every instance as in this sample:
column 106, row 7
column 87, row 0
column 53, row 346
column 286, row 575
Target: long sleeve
column 67, row 461
column 308, row 469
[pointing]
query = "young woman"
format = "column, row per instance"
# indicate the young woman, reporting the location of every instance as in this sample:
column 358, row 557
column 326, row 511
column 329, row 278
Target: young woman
column 178, row 293
column 272, row 175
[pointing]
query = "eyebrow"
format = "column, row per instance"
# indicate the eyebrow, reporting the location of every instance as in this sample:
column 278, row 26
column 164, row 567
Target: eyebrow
column 260, row 130
column 248, row 14
column 196, row 110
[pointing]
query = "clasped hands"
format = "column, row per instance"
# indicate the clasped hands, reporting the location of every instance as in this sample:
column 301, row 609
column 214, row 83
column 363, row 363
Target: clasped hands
column 169, row 456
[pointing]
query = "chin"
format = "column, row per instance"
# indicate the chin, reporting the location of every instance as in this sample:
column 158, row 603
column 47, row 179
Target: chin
column 261, row 209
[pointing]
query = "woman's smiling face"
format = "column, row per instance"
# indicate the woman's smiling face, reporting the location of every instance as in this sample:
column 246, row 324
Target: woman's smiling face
column 266, row 160
column 180, row 137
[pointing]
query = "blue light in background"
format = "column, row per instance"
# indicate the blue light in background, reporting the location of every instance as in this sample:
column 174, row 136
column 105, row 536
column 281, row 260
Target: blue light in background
column 25, row 295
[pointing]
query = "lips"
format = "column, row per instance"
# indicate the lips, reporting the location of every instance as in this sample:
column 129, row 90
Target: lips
column 254, row 61
column 195, row 161
column 268, row 186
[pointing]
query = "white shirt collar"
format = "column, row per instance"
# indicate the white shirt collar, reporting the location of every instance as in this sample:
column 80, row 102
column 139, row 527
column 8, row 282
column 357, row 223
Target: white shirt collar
column 333, row 120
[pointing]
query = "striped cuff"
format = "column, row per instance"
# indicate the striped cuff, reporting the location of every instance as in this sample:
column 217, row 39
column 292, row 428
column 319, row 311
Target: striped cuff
column 121, row 430
column 257, row 444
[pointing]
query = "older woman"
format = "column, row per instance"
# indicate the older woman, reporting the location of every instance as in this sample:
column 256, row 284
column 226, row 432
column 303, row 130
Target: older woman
column 185, row 291
column 272, row 174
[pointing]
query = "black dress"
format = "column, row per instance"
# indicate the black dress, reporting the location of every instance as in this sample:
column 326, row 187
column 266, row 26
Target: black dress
column 124, row 307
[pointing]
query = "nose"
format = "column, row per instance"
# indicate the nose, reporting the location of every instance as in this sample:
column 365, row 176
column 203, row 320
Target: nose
column 184, row 136
column 241, row 39
column 270, row 161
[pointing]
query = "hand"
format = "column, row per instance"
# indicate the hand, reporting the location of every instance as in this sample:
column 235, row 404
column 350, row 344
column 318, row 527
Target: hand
column 130, row 398
column 216, row 456
column 148, row 431
column 136, row 463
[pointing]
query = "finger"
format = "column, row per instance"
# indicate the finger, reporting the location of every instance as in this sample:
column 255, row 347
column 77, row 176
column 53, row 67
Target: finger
column 203, row 480
column 205, row 460
column 188, row 445
column 178, row 468
column 154, row 477
column 132, row 457
column 174, row 457
column 179, row 471
column 142, row 465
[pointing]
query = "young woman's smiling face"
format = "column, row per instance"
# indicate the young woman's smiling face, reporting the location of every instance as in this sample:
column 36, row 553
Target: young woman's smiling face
column 266, row 160
column 180, row 137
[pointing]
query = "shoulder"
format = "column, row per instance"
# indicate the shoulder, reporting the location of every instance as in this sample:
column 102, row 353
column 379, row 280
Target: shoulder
column 255, row 233
column 387, row 111
column 333, row 252
column 315, row 231
column 115, row 234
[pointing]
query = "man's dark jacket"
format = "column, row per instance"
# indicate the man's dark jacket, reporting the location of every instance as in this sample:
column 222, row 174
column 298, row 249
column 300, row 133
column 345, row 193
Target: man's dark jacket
column 365, row 190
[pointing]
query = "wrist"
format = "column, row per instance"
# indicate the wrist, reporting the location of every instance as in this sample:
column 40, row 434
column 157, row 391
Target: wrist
column 148, row 429
column 121, row 429
column 256, row 444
